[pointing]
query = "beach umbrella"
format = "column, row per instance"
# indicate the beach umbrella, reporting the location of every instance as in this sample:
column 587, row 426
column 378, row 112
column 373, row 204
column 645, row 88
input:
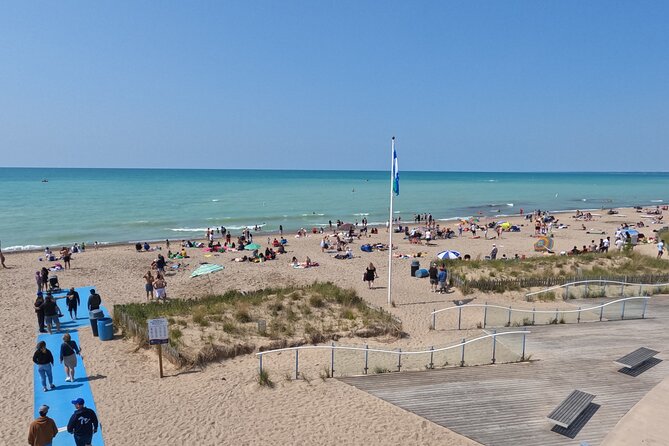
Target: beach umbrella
column 448, row 255
column 346, row 227
column 206, row 268
column 543, row 244
column 252, row 247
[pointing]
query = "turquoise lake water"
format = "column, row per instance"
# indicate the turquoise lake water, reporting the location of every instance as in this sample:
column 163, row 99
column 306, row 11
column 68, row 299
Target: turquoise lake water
column 116, row 205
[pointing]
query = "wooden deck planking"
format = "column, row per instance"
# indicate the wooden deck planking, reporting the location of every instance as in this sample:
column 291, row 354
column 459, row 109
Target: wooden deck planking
column 507, row 404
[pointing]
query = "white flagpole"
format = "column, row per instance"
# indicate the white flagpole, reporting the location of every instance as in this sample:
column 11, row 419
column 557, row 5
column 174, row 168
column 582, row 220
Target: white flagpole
column 390, row 222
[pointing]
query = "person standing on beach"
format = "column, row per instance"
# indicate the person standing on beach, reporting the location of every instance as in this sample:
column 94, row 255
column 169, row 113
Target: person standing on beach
column 43, row 429
column 94, row 301
column 148, row 286
column 432, row 273
column 66, row 255
column 493, row 253
column 159, row 285
column 660, row 248
column 73, row 302
column 45, row 277
column 2, row 259
column 441, row 278
column 280, row 229
column 39, row 311
column 83, row 423
column 38, row 281
column 370, row 275
column 44, row 361
column 68, row 356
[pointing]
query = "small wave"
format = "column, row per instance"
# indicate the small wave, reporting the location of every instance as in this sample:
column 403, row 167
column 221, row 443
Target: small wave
column 188, row 229
column 510, row 205
column 397, row 212
column 657, row 201
column 360, row 213
column 215, row 200
column 22, row 248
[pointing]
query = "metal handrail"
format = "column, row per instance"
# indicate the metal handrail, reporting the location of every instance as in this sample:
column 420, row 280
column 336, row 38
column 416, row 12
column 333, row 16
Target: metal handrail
column 399, row 352
column 433, row 314
column 580, row 282
column 539, row 311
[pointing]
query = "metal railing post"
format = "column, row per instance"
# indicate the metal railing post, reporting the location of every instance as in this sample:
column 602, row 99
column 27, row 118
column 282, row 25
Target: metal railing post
column 578, row 317
column 522, row 356
column 462, row 358
column 640, row 289
column 587, row 290
column 557, row 313
column 604, row 289
column 459, row 316
column 601, row 313
column 366, row 357
column 534, row 313
column 643, row 312
column 485, row 314
column 332, row 359
column 260, row 358
column 431, row 365
column 622, row 289
column 297, row 363
column 434, row 319
column 494, row 345
column 566, row 292
column 399, row 360
column 622, row 314
column 509, row 322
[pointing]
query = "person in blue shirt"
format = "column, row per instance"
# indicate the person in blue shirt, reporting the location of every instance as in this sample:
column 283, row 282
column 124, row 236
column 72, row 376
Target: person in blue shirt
column 83, row 423
column 442, row 275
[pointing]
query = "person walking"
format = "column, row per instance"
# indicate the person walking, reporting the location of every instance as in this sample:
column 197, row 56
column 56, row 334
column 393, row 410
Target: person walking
column 44, row 361
column 51, row 313
column 370, row 275
column 94, row 301
column 148, row 286
column 39, row 311
column 660, row 248
column 43, row 429
column 73, row 302
column 68, row 356
column 83, row 423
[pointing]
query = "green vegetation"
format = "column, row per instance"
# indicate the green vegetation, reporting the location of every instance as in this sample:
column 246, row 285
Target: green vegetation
column 223, row 326
column 264, row 379
column 498, row 276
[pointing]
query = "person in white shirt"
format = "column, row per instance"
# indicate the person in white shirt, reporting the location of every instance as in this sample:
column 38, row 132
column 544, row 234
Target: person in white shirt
column 660, row 249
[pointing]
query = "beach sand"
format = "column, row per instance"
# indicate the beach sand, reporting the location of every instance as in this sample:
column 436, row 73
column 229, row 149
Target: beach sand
column 222, row 403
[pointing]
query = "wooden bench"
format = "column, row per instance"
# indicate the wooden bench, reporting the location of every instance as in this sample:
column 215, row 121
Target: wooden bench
column 636, row 358
column 569, row 409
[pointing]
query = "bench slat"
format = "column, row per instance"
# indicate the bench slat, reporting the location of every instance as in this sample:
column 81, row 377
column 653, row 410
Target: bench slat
column 569, row 409
column 636, row 358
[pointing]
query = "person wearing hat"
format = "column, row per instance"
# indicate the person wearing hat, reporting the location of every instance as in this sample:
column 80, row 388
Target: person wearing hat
column 83, row 423
column 39, row 311
column 94, row 301
column 43, row 429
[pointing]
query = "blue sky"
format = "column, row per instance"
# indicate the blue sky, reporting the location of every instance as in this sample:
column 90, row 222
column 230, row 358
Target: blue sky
column 483, row 85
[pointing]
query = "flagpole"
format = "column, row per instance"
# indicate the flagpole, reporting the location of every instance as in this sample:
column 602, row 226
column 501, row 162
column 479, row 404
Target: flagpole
column 390, row 222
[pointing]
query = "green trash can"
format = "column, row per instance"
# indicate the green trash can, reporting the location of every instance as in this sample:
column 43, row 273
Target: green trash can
column 106, row 329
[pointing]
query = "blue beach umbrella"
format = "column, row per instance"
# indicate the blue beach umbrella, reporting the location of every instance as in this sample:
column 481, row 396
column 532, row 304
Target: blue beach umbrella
column 448, row 255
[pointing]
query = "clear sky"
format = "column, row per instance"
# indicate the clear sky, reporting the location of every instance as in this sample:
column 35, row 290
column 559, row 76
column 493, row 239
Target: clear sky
column 470, row 85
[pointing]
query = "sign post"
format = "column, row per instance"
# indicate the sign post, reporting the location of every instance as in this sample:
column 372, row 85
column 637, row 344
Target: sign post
column 158, row 336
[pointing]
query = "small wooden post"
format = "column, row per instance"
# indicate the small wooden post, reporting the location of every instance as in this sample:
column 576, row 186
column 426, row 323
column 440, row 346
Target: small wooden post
column 462, row 358
column 459, row 316
column 160, row 359
column 494, row 345
column 485, row 314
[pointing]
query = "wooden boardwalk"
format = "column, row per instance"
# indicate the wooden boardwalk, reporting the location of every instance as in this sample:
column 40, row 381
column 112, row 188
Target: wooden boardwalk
column 507, row 404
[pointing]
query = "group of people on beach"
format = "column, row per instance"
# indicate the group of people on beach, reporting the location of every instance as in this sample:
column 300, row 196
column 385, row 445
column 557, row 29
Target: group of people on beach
column 83, row 423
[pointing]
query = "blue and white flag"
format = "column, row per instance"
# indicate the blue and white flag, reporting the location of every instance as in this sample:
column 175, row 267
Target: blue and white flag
column 396, row 174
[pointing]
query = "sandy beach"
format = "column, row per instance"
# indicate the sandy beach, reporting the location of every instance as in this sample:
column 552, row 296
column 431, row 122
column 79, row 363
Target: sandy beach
column 222, row 402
